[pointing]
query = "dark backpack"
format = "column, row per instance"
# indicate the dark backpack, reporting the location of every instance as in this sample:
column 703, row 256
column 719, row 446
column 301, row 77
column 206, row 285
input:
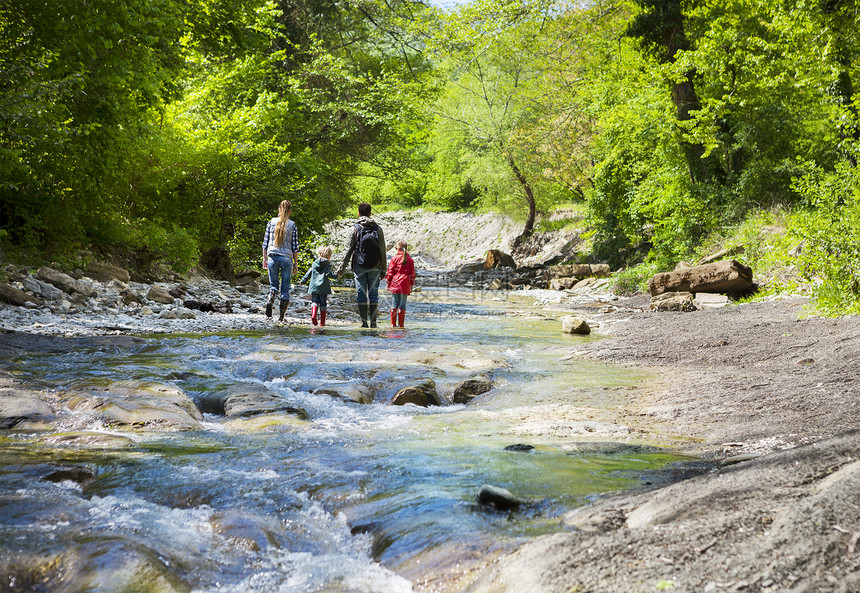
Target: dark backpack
column 366, row 245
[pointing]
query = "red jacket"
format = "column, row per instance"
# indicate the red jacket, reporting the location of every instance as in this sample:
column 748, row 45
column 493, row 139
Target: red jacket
column 401, row 273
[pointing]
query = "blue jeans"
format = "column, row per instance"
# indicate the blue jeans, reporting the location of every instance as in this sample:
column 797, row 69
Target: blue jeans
column 283, row 265
column 400, row 301
column 320, row 300
column 367, row 285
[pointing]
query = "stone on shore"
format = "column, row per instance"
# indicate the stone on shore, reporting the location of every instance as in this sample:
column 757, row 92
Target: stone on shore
column 64, row 282
column 105, row 272
column 498, row 259
column 13, row 296
column 672, row 301
column 706, row 300
column 727, row 276
column 575, row 325
column 47, row 291
column 159, row 294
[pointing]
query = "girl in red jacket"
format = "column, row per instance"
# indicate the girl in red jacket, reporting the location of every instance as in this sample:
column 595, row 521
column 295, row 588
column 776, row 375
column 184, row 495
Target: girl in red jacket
column 400, row 278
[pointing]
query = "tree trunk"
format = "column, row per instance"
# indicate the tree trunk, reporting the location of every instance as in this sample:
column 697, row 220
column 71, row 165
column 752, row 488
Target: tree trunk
column 660, row 27
column 530, row 197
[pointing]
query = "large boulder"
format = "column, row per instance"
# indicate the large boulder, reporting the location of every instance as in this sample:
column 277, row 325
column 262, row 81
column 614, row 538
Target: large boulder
column 575, row 325
column 137, row 404
column 563, row 283
column 13, row 296
column 578, row 271
column 159, row 294
column 471, row 268
column 64, row 282
column 569, row 271
column 727, row 276
column 498, row 259
column 244, row 400
column 20, row 407
column 673, row 301
column 497, row 497
column 359, row 393
column 466, row 391
column 105, row 272
column 423, row 394
column 42, row 289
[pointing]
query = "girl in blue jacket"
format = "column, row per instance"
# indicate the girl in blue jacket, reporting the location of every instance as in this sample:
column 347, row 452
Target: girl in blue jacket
column 319, row 286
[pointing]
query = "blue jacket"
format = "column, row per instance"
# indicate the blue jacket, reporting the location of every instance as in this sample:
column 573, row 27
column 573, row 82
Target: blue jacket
column 319, row 274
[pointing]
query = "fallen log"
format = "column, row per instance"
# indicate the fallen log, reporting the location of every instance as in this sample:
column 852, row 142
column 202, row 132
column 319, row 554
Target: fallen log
column 727, row 276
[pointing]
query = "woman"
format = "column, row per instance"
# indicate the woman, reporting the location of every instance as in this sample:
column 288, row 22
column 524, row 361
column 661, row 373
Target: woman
column 280, row 257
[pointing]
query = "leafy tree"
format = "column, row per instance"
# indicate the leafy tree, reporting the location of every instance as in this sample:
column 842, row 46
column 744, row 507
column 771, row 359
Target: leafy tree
column 493, row 118
column 79, row 82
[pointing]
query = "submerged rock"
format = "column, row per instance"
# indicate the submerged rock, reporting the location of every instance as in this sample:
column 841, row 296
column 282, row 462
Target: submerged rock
column 75, row 473
column 466, row 391
column 144, row 404
column 22, row 407
column 249, row 399
column 98, row 440
column 246, row 531
column 497, row 497
column 424, row 394
column 359, row 393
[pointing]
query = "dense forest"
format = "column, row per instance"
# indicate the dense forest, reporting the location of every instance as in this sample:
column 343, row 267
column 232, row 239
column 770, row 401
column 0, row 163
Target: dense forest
column 160, row 132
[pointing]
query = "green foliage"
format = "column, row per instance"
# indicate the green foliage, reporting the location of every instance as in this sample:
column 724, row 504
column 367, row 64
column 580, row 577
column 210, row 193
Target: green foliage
column 830, row 231
column 765, row 241
column 632, row 280
column 164, row 128
column 171, row 245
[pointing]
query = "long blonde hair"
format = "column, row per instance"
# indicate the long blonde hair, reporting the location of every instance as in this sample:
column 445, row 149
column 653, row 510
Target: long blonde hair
column 284, row 210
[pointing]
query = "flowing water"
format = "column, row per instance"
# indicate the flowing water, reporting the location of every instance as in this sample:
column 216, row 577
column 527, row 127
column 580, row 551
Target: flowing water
column 358, row 497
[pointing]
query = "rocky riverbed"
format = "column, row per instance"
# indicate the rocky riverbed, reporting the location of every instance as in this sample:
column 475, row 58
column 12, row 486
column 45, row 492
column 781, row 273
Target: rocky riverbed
column 765, row 392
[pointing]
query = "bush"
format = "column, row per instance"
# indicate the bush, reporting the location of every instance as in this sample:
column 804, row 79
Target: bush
column 830, row 232
column 633, row 280
column 171, row 245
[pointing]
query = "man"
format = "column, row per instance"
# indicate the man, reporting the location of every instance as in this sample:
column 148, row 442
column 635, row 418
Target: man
column 366, row 256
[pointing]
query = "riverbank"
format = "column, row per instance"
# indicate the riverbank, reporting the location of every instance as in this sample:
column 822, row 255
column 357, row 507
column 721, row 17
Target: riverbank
column 771, row 394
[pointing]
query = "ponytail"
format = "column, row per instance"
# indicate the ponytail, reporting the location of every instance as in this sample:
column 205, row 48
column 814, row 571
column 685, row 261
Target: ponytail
column 400, row 245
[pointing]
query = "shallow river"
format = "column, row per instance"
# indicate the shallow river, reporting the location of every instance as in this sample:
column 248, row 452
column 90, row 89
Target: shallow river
column 358, row 497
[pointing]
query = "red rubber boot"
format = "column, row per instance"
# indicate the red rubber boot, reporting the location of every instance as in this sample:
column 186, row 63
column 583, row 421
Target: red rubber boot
column 401, row 317
column 314, row 314
column 394, row 318
column 322, row 317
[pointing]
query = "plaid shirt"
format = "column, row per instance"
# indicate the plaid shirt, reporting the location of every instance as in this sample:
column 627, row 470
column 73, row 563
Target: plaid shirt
column 269, row 238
